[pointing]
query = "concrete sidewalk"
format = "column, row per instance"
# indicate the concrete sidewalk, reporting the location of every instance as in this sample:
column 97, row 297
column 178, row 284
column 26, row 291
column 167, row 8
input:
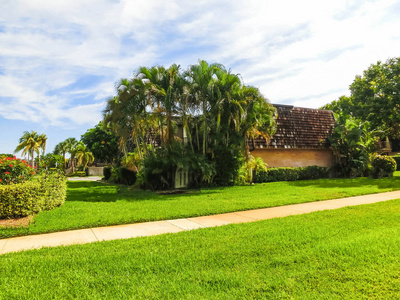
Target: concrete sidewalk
column 98, row 234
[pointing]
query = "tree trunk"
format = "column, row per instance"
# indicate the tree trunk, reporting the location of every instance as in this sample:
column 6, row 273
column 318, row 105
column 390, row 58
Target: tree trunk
column 205, row 128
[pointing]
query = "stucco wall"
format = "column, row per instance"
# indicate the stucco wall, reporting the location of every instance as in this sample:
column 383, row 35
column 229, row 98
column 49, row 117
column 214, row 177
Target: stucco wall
column 295, row 157
column 95, row 171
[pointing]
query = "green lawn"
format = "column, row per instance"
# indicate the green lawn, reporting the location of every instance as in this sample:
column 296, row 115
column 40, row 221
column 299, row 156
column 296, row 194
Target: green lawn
column 91, row 204
column 349, row 253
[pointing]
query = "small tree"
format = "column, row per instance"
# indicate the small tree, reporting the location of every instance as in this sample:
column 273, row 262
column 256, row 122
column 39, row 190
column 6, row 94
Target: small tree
column 103, row 144
column 83, row 155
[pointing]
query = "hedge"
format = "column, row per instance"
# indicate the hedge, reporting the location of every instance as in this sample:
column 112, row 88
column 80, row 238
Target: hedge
column 23, row 199
column 290, row 174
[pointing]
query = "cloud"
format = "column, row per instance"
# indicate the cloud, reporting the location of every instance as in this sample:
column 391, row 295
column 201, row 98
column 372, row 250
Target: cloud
column 59, row 60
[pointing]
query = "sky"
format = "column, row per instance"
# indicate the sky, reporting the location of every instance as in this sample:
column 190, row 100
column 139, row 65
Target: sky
column 60, row 60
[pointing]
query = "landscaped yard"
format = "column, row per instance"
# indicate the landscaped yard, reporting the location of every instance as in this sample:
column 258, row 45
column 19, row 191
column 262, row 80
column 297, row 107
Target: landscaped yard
column 91, row 204
column 349, row 253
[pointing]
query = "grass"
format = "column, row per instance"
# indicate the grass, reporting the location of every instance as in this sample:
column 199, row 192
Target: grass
column 349, row 253
column 93, row 204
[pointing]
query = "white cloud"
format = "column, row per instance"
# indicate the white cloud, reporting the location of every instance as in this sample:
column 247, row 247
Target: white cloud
column 300, row 52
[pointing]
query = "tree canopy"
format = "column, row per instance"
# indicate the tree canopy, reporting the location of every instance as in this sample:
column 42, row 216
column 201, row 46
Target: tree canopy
column 31, row 143
column 375, row 97
column 103, row 144
column 210, row 106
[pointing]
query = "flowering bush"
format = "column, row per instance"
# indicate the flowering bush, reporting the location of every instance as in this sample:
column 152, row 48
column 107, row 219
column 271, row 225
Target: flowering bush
column 14, row 170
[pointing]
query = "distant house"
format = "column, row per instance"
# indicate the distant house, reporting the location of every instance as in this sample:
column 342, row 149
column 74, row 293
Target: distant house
column 300, row 139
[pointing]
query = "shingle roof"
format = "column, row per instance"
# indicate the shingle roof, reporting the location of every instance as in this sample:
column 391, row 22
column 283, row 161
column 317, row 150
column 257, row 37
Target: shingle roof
column 300, row 128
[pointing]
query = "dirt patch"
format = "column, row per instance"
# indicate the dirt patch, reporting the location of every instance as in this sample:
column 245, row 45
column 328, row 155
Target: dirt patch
column 20, row 222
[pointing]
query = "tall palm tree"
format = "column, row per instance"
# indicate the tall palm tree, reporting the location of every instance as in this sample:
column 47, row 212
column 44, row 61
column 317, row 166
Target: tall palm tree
column 126, row 114
column 258, row 116
column 202, row 78
column 71, row 149
column 62, row 148
column 42, row 140
column 29, row 144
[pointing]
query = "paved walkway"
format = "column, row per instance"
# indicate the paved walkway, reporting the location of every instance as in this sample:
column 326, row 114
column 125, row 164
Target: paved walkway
column 89, row 178
column 98, row 234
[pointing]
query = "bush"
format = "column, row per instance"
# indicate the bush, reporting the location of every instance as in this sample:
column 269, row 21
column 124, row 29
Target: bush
column 397, row 159
column 290, row 174
column 313, row 172
column 106, row 173
column 45, row 192
column 54, row 186
column 383, row 166
column 128, row 177
column 120, row 175
column 14, row 170
column 227, row 165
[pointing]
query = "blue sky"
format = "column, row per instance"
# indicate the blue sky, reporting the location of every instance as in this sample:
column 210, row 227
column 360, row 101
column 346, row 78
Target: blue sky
column 59, row 60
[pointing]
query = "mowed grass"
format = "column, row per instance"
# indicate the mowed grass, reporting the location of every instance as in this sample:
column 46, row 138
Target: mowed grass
column 349, row 253
column 93, row 204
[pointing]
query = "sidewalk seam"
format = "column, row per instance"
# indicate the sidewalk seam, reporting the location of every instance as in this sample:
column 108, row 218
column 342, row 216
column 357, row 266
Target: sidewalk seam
column 185, row 229
column 238, row 214
column 4, row 246
column 91, row 229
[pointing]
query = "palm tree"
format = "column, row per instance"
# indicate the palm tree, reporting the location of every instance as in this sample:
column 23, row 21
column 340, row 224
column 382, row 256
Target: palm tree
column 83, row 155
column 42, row 140
column 61, row 149
column 29, row 144
column 258, row 116
column 71, row 145
column 202, row 81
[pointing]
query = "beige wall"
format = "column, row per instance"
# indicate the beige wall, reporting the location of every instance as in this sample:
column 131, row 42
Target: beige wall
column 295, row 157
column 95, row 171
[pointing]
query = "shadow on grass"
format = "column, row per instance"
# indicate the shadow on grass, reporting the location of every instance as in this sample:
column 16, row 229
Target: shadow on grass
column 87, row 191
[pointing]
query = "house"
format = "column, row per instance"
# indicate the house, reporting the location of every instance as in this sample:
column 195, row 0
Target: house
column 300, row 139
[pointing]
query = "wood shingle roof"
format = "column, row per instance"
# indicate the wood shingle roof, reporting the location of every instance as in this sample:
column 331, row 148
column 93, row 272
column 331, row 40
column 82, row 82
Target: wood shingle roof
column 300, row 128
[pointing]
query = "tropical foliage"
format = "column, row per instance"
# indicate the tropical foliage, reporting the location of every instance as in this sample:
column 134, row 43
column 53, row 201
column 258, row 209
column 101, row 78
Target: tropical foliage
column 354, row 144
column 70, row 145
column 206, row 108
column 83, row 155
column 103, row 144
column 31, row 143
column 51, row 160
column 375, row 97
column 383, row 166
column 14, row 170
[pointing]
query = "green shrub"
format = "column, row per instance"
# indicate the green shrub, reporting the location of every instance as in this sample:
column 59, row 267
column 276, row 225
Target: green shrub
column 313, row 172
column 106, row 173
column 383, row 166
column 54, row 186
column 397, row 159
column 227, row 165
column 128, row 177
column 290, row 174
column 44, row 192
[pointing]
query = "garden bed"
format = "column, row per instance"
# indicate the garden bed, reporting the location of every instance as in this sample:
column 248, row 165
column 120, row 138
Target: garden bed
column 16, row 223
